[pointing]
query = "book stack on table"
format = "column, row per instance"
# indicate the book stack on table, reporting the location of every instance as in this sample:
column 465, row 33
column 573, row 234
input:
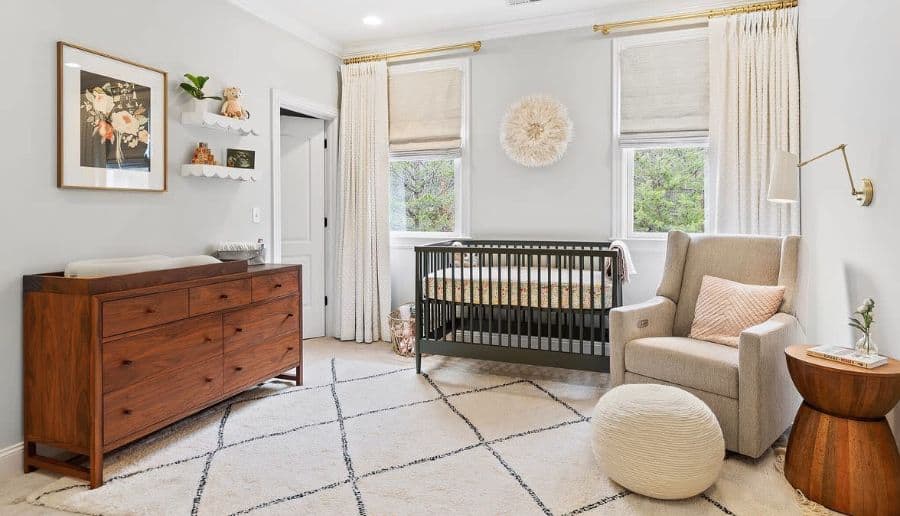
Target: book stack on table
column 847, row 356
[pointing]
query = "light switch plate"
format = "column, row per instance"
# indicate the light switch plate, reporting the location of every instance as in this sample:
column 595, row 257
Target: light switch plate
column 256, row 215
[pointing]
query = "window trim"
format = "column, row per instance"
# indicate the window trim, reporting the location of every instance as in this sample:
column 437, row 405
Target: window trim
column 622, row 189
column 408, row 239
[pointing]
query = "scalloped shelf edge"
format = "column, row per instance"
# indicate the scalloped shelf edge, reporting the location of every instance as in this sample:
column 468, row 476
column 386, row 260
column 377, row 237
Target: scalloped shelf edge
column 237, row 174
column 214, row 121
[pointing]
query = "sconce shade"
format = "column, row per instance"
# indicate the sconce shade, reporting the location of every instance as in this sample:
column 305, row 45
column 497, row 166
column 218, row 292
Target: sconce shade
column 784, row 180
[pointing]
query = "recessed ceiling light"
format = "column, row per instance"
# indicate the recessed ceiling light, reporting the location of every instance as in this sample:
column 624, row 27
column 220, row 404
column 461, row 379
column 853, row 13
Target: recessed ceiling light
column 372, row 20
column 73, row 65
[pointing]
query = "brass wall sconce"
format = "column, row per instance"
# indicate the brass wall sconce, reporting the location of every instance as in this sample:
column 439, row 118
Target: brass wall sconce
column 785, row 179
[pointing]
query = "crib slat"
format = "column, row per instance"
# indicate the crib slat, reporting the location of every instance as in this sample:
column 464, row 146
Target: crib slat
column 581, row 303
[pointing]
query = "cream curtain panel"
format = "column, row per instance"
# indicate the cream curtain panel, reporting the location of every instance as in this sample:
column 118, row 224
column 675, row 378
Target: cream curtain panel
column 425, row 110
column 754, row 112
column 665, row 87
column 364, row 247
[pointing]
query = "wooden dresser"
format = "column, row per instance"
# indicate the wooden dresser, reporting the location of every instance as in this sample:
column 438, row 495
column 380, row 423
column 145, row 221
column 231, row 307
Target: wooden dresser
column 110, row 360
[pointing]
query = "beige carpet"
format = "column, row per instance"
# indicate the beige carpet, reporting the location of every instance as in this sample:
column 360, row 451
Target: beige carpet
column 367, row 435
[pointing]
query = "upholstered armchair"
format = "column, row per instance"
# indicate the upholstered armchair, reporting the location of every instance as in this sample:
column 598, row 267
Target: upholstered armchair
column 748, row 387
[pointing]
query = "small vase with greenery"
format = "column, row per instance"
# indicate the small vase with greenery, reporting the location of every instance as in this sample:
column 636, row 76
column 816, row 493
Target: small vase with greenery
column 862, row 320
column 195, row 89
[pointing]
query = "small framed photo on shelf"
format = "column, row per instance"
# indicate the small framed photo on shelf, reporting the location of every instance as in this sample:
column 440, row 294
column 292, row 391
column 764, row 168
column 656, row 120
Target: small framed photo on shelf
column 240, row 158
column 111, row 122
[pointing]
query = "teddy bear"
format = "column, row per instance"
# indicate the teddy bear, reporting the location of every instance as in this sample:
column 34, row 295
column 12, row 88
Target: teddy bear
column 231, row 107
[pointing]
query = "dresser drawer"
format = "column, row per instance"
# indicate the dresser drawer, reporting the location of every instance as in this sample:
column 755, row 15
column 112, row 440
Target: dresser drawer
column 134, row 313
column 128, row 410
column 219, row 296
column 279, row 284
column 261, row 322
column 261, row 361
column 132, row 359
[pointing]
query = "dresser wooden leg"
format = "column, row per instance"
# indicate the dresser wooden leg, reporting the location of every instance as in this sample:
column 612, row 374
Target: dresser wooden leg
column 30, row 451
column 96, row 470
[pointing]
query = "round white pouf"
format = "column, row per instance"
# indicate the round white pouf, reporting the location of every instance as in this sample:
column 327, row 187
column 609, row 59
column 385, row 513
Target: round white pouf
column 658, row 441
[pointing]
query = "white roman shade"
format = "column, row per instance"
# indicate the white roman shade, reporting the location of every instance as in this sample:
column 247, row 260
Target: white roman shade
column 426, row 110
column 665, row 87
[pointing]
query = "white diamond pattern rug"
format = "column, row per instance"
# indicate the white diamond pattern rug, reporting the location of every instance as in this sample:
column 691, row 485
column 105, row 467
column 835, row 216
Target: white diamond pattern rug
column 373, row 437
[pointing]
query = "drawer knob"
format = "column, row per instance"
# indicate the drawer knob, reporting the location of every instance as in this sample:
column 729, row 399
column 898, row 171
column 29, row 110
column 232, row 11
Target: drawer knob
column 151, row 310
column 127, row 363
column 127, row 411
column 290, row 348
column 223, row 296
column 290, row 315
column 238, row 368
column 278, row 285
column 208, row 379
column 207, row 339
column 238, row 330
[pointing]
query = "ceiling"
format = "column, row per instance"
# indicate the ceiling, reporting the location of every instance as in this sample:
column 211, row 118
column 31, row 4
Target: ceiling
column 336, row 25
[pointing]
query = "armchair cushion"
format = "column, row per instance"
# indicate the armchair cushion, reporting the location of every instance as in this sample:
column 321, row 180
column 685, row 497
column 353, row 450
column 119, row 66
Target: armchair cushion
column 699, row 364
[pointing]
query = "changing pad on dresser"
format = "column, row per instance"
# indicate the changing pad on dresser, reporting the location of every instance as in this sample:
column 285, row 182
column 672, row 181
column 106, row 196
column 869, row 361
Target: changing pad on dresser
column 131, row 265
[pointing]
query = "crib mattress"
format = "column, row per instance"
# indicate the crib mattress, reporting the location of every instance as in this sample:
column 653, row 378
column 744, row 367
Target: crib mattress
column 536, row 287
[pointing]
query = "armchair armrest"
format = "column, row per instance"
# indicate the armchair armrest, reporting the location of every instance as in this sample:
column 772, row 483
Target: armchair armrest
column 767, row 399
column 653, row 318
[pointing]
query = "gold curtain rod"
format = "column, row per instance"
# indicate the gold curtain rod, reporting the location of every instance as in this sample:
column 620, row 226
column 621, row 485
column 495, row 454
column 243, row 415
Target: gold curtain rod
column 605, row 28
column 474, row 45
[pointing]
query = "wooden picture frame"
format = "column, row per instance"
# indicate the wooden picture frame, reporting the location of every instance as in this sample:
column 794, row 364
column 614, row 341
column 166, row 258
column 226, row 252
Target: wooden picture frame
column 112, row 122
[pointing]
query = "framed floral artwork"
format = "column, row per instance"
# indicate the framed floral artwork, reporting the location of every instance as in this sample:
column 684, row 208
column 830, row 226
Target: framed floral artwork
column 111, row 122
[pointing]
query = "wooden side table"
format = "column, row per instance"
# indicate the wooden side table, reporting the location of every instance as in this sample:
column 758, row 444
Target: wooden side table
column 841, row 452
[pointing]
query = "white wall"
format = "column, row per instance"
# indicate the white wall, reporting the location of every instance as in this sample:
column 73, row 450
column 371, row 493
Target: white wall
column 849, row 94
column 567, row 200
column 45, row 227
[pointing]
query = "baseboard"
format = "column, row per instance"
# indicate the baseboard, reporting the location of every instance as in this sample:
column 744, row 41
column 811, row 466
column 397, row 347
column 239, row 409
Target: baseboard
column 11, row 459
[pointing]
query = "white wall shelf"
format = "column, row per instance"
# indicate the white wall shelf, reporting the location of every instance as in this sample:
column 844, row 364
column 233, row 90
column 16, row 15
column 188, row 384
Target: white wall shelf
column 236, row 174
column 222, row 123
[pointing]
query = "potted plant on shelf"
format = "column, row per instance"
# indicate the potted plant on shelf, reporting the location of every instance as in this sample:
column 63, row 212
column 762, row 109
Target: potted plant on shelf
column 195, row 89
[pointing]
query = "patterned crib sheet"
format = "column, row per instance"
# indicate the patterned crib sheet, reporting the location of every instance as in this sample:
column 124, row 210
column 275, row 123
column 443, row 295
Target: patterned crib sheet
column 537, row 287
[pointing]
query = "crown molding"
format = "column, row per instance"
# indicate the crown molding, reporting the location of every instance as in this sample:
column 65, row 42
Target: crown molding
column 626, row 9
column 485, row 32
column 620, row 10
column 263, row 11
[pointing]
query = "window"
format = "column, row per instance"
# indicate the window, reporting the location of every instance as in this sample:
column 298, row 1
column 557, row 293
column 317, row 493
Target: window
column 428, row 131
column 661, row 134
column 423, row 194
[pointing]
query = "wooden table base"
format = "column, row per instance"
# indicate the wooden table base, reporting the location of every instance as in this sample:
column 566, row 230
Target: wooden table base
column 848, row 465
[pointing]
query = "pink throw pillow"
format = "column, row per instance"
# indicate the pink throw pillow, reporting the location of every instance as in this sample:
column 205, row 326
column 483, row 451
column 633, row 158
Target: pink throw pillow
column 726, row 308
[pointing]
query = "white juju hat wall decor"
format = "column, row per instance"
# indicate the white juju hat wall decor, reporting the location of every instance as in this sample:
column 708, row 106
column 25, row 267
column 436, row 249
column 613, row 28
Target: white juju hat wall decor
column 536, row 131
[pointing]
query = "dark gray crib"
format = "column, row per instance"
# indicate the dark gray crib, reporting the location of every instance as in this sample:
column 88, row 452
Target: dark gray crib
column 533, row 302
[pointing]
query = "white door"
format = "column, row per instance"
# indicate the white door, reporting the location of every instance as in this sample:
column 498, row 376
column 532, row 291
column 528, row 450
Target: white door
column 303, row 212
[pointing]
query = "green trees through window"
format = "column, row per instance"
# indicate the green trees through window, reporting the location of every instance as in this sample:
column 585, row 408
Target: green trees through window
column 669, row 189
column 423, row 195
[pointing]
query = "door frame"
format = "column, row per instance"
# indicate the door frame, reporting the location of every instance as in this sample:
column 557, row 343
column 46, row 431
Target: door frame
column 304, row 106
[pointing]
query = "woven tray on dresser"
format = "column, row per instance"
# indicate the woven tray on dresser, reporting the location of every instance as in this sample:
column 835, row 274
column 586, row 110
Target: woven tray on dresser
column 110, row 360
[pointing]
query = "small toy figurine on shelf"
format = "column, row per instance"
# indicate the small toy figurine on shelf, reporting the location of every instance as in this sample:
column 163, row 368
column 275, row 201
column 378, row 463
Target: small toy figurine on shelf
column 232, row 107
column 203, row 156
